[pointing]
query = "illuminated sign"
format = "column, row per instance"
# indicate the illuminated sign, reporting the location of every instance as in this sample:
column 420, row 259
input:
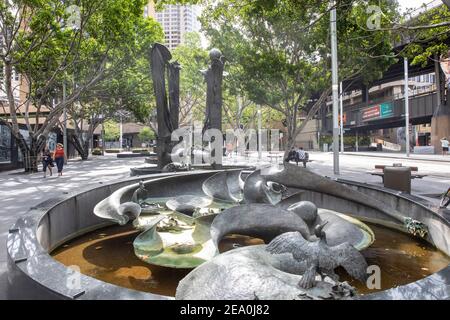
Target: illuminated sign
column 386, row 110
column 379, row 111
column 371, row 113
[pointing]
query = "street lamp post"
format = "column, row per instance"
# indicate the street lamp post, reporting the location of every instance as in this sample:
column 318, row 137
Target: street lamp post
column 341, row 104
column 335, row 87
column 65, row 123
column 103, row 134
column 121, row 134
column 259, row 134
column 406, row 107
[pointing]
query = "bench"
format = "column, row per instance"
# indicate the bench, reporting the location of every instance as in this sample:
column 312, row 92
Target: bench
column 379, row 172
column 305, row 161
column 275, row 156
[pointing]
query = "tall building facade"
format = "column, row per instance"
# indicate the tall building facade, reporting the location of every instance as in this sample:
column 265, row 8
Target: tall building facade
column 176, row 20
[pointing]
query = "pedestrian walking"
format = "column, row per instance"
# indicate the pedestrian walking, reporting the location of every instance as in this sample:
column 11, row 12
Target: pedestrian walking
column 444, row 144
column 301, row 156
column 59, row 157
column 47, row 161
column 229, row 149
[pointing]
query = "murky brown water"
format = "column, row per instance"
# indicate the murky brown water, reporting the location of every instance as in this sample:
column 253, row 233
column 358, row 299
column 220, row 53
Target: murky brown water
column 107, row 254
column 402, row 259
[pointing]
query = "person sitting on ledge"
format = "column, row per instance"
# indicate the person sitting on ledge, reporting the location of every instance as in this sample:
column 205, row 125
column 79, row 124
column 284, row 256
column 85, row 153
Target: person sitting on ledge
column 302, row 156
column 293, row 155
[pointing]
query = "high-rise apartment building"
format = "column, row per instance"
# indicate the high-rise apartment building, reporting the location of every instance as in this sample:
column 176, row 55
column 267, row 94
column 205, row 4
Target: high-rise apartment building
column 176, row 20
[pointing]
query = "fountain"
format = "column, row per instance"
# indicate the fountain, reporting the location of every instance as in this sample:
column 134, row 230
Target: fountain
column 185, row 232
column 164, row 235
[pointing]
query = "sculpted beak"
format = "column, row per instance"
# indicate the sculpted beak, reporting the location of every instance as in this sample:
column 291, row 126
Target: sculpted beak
column 320, row 227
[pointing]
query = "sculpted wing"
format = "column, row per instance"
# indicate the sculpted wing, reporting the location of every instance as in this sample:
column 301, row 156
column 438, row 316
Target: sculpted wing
column 351, row 260
column 289, row 242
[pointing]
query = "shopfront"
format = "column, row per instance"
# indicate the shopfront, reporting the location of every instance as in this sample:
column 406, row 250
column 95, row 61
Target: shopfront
column 9, row 157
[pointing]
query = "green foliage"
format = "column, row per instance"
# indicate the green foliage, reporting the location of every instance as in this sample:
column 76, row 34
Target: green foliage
column 348, row 140
column 112, row 131
column 428, row 43
column 130, row 87
column 140, row 151
column 112, row 151
column 192, row 58
column 97, row 152
column 146, row 134
column 278, row 52
column 102, row 62
column 112, row 34
column 161, row 3
column 366, row 52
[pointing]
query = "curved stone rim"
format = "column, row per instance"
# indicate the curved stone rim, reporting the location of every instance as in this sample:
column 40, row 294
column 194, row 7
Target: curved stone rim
column 369, row 236
column 28, row 267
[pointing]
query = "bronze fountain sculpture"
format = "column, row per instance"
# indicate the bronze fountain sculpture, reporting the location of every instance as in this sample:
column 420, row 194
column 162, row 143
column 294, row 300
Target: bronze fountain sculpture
column 302, row 241
column 319, row 257
column 167, row 106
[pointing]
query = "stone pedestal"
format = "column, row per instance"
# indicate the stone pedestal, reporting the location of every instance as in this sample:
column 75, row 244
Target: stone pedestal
column 440, row 127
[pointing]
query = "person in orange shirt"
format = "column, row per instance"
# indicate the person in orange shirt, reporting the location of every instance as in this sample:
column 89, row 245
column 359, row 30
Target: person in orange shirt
column 59, row 157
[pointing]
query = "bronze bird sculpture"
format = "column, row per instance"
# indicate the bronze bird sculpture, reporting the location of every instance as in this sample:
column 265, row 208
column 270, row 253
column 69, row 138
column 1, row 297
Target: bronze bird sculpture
column 319, row 257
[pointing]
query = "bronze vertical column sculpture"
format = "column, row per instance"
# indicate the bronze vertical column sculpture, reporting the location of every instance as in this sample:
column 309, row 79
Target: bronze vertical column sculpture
column 167, row 109
column 214, row 77
column 213, row 115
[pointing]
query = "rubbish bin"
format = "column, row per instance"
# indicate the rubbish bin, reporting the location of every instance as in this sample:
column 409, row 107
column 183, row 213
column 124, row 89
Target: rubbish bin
column 398, row 178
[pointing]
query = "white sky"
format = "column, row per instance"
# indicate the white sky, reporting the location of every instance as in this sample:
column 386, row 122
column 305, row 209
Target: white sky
column 407, row 4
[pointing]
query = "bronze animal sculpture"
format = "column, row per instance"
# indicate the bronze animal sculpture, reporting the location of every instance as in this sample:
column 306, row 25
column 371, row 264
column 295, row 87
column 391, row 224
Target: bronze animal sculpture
column 320, row 258
column 140, row 194
column 292, row 176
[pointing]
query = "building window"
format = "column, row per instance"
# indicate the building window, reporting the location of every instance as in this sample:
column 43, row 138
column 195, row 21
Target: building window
column 2, row 73
column 5, row 144
column 16, row 75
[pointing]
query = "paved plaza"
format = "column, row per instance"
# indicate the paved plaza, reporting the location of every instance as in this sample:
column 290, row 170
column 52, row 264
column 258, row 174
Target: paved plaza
column 21, row 191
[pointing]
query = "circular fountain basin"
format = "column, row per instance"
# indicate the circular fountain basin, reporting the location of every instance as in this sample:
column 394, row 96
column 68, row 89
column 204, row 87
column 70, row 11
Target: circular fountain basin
column 63, row 232
column 105, row 255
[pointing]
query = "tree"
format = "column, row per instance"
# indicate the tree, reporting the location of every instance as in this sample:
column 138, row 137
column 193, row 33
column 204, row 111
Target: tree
column 130, row 89
column 427, row 36
column 421, row 34
column 279, row 52
column 112, row 131
column 53, row 44
column 85, row 118
column 146, row 134
column 193, row 58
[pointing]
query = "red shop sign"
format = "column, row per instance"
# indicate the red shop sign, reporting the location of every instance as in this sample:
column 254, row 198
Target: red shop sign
column 371, row 113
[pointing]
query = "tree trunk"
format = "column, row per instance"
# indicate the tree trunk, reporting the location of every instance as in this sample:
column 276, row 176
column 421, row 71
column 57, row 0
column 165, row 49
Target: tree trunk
column 291, row 124
column 30, row 152
column 81, row 146
column 312, row 112
column 32, row 155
